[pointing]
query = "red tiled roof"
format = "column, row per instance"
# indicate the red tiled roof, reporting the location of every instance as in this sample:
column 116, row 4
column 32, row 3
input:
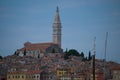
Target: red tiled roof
column 116, row 67
column 37, row 46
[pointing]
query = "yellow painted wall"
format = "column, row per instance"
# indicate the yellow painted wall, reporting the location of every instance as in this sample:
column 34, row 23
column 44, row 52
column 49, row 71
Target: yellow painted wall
column 61, row 73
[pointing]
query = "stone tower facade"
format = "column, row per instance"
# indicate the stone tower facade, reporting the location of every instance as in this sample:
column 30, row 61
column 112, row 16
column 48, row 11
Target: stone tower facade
column 57, row 29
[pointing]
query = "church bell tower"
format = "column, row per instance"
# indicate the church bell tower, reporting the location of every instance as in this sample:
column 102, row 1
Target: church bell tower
column 57, row 29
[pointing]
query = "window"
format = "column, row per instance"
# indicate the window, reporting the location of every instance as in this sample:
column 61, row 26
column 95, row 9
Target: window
column 59, row 72
column 34, row 76
column 37, row 76
column 9, row 77
column 22, row 76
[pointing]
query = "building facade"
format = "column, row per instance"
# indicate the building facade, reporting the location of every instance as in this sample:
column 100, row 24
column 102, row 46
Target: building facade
column 38, row 50
column 116, row 73
column 24, row 75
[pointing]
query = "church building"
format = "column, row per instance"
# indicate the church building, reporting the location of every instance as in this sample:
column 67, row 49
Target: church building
column 39, row 49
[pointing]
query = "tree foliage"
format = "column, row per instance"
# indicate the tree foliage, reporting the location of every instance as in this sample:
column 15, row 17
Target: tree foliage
column 15, row 53
column 89, row 56
column 82, row 54
column 71, row 52
column 24, row 52
column 1, row 57
column 38, row 55
column 53, row 50
column 66, row 51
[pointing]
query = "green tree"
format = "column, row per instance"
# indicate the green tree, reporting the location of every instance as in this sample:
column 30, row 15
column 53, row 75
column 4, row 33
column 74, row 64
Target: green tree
column 53, row 50
column 71, row 52
column 66, row 56
column 15, row 53
column 85, row 59
column 24, row 52
column 66, row 51
column 82, row 54
column 38, row 55
column 1, row 57
column 89, row 57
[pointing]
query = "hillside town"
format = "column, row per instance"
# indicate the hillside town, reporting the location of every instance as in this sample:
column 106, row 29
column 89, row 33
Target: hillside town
column 48, row 61
column 54, row 66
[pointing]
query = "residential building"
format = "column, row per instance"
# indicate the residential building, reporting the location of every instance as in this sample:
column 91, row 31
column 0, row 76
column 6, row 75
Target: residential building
column 24, row 75
column 63, row 73
column 116, row 72
column 99, row 75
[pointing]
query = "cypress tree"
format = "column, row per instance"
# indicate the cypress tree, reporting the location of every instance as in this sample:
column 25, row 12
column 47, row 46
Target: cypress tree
column 24, row 52
column 89, row 57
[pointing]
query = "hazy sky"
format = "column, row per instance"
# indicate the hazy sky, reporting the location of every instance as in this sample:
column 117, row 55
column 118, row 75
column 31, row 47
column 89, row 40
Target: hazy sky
column 82, row 20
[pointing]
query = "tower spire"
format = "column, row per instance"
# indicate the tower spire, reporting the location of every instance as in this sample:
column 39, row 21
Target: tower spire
column 57, row 17
column 57, row 9
column 57, row 29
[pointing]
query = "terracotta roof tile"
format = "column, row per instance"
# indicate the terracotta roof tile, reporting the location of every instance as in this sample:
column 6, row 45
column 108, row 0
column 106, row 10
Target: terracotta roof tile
column 116, row 67
column 37, row 46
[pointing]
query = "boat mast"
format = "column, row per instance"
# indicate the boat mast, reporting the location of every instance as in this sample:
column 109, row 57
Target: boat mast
column 94, row 51
column 105, row 56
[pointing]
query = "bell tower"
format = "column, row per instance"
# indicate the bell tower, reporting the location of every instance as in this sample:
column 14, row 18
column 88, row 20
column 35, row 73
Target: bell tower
column 57, row 29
